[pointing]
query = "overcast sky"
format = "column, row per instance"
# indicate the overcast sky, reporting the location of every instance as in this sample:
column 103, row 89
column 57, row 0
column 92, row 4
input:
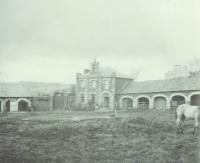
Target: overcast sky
column 51, row 40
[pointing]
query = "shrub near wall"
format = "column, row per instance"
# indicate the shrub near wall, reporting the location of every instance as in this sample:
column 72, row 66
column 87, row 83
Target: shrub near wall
column 44, row 103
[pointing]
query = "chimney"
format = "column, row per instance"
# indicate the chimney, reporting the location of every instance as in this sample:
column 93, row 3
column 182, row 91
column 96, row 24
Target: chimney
column 94, row 66
column 78, row 74
column 86, row 71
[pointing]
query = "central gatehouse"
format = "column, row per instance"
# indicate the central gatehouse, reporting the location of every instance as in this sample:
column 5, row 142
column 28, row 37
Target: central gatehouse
column 104, row 87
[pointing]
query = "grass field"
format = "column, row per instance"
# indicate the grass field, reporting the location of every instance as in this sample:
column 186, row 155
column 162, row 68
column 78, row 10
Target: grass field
column 95, row 137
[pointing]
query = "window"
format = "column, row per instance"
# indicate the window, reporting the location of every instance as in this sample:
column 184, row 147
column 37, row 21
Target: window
column 82, row 84
column 106, row 84
column 93, row 83
column 82, row 98
column 93, row 98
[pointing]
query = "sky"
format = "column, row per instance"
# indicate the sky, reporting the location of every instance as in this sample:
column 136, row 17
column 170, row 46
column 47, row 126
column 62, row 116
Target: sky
column 52, row 40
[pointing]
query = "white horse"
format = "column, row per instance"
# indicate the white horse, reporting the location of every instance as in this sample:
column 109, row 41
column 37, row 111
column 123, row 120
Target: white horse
column 187, row 112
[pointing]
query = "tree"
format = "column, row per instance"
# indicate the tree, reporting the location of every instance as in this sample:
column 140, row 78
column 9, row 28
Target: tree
column 135, row 75
column 194, row 67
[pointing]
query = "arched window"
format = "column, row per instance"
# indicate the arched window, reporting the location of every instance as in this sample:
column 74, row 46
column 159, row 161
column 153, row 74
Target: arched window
column 160, row 102
column 127, row 103
column 143, row 103
column 177, row 100
column 23, row 105
column 195, row 99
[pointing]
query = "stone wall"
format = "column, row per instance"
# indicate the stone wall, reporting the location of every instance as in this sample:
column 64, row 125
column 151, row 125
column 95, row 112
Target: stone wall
column 13, row 103
column 42, row 103
column 151, row 97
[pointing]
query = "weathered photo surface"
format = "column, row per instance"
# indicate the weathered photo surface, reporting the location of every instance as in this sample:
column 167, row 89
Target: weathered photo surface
column 99, row 81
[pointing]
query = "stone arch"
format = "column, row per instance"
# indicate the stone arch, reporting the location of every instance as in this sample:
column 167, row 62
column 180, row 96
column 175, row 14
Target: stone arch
column 129, row 103
column 143, row 96
column 24, row 99
column 23, row 104
column 177, row 94
column 7, row 103
column 193, row 93
column 143, row 102
column 180, row 99
column 7, row 99
column 194, row 98
column 160, row 95
column 160, row 101
column 1, row 105
column 105, row 92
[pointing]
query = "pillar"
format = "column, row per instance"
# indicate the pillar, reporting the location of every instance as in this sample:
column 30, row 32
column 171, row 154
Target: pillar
column 13, row 105
column 134, row 104
column 188, row 100
column 151, row 103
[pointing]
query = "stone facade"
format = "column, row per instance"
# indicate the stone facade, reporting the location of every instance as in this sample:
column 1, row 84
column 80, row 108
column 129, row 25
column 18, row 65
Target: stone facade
column 14, row 104
column 42, row 103
column 99, row 89
column 177, row 71
column 115, row 91
column 160, row 94
column 170, row 100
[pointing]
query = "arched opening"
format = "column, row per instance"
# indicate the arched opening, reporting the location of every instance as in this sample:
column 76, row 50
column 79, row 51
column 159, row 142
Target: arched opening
column 195, row 100
column 127, row 104
column 23, row 105
column 143, row 103
column 176, row 101
column 7, row 106
column 160, row 103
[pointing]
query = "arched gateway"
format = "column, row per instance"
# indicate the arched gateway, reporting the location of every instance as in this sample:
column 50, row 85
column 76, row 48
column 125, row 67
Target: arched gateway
column 177, row 99
column 143, row 103
column 160, row 103
column 127, row 103
column 23, row 104
column 194, row 98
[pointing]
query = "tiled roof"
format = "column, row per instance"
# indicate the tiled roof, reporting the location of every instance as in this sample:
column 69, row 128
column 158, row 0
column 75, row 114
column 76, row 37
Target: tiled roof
column 108, row 71
column 180, row 84
column 13, row 90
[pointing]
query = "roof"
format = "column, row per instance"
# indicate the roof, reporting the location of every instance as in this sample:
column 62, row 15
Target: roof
column 179, row 84
column 30, row 89
column 13, row 90
column 108, row 72
column 42, row 88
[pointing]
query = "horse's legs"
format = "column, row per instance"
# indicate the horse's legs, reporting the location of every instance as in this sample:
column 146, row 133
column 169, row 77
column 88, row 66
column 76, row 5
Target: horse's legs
column 196, row 125
column 178, row 125
column 181, row 128
column 194, row 130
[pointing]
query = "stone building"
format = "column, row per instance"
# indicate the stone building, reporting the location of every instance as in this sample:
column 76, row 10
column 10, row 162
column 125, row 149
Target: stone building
column 160, row 94
column 108, row 88
column 13, row 97
column 98, row 86
column 64, row 100
column 178, row 71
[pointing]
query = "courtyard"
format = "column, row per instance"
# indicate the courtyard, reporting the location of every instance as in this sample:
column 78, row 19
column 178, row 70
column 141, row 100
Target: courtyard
column 96, row 137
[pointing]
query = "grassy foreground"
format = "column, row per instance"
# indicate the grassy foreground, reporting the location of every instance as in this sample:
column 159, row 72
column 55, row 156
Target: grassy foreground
column 79, row 137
